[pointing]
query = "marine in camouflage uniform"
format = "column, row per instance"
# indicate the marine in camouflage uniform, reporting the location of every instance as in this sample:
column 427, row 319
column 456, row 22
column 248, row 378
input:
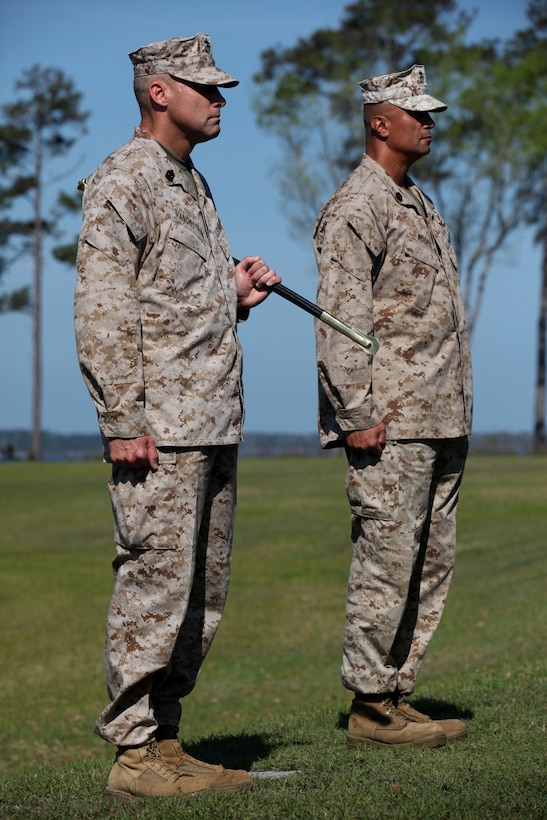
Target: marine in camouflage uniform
column 157, row 302
column 387, row 267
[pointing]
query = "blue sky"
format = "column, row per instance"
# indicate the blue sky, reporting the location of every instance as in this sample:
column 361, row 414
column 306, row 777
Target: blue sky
column 90, row 43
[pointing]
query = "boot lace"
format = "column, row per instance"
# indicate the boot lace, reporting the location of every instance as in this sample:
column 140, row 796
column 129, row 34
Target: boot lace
column 157, row 762
column 393, row 711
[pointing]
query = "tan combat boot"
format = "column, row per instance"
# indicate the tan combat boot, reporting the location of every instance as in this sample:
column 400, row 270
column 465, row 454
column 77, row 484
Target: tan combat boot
column 378, row 722
column 217, row 776
column 142, row 772
column 453, row 728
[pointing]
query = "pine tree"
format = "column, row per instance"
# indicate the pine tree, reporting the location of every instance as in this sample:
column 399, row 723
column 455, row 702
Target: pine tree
column 40, row 126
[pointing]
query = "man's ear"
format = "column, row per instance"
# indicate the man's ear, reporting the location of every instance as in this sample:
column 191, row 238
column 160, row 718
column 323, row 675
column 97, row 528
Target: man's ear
column 159, row 93
column 379, row 124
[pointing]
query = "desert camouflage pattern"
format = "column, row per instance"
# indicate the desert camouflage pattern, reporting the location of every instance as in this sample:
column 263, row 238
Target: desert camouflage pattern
column 405, row 89
column 404, row 543
column 387, row 270
column 187, row 58
column 387, row 266
column 156, row 303
column 173, row 530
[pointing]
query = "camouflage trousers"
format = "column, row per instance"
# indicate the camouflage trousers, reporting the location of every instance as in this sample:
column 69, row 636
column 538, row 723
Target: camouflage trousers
column 404, row 541
column 173, row 532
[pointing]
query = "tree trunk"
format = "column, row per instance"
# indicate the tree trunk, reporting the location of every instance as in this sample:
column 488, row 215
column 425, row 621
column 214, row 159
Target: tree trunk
column 540, row 442
column 36, row 447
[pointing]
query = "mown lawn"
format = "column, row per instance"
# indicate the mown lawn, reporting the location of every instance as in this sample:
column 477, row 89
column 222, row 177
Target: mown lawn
column 270, row 696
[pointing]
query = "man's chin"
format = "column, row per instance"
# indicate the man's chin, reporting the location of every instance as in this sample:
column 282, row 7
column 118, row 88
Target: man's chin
column 210, row 135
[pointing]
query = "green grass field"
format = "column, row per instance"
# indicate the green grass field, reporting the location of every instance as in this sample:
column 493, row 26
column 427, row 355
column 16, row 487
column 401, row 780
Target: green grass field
column 270, row 696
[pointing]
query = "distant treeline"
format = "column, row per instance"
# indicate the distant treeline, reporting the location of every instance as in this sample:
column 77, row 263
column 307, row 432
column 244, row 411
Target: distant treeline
column 15, row 445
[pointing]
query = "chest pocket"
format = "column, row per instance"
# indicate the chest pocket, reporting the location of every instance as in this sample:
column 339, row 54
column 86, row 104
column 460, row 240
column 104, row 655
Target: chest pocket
column 418, row 265
column 183, row 262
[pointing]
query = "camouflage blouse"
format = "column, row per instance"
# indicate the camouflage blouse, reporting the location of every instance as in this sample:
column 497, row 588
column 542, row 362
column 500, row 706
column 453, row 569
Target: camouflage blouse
column 155, row 303
column 387, row 266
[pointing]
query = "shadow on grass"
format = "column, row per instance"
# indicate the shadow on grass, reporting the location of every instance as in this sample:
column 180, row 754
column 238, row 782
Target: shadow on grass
column 439, row 709
column 436, row 709
column 233, row 751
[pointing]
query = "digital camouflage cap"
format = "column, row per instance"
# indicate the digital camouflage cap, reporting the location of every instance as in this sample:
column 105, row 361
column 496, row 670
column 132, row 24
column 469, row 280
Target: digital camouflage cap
column 405, row 89
column 186, row 58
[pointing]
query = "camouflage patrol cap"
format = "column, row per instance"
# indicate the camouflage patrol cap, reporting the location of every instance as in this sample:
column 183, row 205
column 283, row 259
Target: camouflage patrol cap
column 405, row 89
column 186, row 58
